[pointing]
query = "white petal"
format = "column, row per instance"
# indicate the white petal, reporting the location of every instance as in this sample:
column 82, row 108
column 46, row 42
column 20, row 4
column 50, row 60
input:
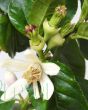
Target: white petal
column 9, row 78
column 20, row 62
column 47, row 87
column 24, row 94
column 15, row 65
column 27, row 56
column 77, row 15
column 21, row 96
column 15, row 89
column 50, row 68
column 30, row 51
column 45, row 46
column 36, row 90
column 3, row 57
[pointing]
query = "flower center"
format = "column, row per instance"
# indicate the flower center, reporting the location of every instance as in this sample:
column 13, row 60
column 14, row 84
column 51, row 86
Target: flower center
column 33, row 73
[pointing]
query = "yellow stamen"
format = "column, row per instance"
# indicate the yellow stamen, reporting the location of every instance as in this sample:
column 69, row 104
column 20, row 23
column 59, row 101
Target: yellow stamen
column 33, row 73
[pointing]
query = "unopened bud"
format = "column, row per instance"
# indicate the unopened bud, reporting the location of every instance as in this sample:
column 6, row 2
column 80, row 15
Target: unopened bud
column 38, row 46
column 55, row 41
column 29, row 29
column 59, row 14
column 49, row 31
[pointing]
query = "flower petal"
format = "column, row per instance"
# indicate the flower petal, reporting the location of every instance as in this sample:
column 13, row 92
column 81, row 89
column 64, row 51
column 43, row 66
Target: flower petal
column 3, row 57
column 29, row 55
column 20, row 62
column 15, row 89
column 15, row 65
column 9, row 78
column 46, row 87
column 50, row 68
column 36, row 90
column 24, row 94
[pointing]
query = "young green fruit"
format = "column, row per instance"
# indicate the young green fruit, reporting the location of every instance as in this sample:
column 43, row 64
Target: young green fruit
column 49, row 31
column 55, row 41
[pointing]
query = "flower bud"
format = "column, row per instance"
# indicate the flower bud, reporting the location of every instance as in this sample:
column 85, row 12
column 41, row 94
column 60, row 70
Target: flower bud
column 58, row 15
column 36, row 41
column 49, row 31
column 37, row 46
column 57, row 40
column 29, row 29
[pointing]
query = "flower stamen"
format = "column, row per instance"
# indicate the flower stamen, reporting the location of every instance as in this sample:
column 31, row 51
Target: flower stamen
column 33, row 73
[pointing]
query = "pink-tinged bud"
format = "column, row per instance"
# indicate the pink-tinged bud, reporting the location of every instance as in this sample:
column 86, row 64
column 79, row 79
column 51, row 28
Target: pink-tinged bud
column 10, row 78
column 29, row 28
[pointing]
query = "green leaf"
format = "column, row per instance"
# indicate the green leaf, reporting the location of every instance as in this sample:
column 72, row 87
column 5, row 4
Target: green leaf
column 84, row 14
column 35, row 11
column 70, row 55
column 82, row 32
column 17, row 16
column 11, row 41
column 84, row 86
column 83, row 29
column 84, row 47
column 68, row 92
column 6, row 105
column 4, row 5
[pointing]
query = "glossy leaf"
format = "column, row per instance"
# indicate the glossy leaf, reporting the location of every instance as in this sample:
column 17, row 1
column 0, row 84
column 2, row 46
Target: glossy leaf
column 4, row 5
column 84, row 47
column 35, row 11
column 68, row 92
column 11, row 41
column 17, row 16
column 70, row 55
column 84, row 86
column 83, row 29
column 84, row 14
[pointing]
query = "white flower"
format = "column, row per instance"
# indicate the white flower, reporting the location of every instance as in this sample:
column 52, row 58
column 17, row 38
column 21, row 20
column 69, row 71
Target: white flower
column 77, row 15
column 33, row 71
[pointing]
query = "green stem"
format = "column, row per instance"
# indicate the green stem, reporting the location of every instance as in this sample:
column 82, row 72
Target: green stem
column 25, row 104
column 41, row 55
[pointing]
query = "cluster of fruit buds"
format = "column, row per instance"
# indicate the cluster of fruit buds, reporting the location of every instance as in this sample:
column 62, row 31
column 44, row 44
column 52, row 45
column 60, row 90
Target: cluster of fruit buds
column 51, row 30
column 53, row 35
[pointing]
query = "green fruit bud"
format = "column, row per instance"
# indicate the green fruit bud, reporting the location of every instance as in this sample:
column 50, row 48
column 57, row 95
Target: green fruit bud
column 57, row 40
column 38, row 46
column 49, row 31
column 58, row 15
